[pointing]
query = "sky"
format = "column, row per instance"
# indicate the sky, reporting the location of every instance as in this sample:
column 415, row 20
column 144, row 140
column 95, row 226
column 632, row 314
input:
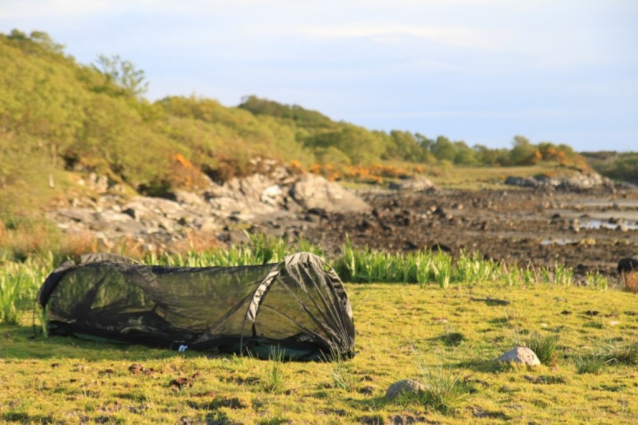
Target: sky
column 481, row 71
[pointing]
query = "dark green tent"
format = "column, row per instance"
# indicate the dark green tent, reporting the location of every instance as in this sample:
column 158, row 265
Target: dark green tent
column 299, row 306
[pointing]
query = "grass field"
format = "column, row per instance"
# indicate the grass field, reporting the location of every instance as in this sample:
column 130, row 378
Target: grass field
column 442, row 336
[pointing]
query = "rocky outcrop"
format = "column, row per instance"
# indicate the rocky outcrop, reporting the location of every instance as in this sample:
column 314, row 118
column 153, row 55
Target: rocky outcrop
column 575, row 183
column 312, row 191
column 274, row 203
column 417, row 184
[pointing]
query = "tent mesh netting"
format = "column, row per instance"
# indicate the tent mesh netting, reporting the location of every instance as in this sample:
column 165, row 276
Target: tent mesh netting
column 299, row 306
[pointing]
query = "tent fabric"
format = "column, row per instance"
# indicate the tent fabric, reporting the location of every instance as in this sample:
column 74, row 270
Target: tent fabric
column 299, row 305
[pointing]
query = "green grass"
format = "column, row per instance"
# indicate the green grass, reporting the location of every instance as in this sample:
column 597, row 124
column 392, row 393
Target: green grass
column 458, row 315
column 67, row 380
column 589, row 364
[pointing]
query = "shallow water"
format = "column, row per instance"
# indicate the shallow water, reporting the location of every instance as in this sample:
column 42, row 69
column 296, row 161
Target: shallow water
column 604, row 203
column 566, row 241
column 594, row 223
column 629, row 217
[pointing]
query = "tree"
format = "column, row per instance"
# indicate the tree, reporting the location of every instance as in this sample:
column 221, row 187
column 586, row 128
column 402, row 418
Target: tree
column 44, row 40
column 464, row 154
column 444, row 149
column 405, row 146
column 123, row 74
column 359, row 144
column 523, row 152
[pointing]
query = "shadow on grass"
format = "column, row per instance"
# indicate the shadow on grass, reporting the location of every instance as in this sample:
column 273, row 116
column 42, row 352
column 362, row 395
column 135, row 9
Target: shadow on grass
column 415, row 409
column 19, row 343
column 485, row 366
column 451, row 339
column 23, row 418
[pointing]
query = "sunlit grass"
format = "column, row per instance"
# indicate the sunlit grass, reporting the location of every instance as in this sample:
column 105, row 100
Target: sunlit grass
column 57, row 379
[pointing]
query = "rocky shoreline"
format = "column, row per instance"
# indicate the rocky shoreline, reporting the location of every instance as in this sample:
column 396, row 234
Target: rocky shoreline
column 586, row 223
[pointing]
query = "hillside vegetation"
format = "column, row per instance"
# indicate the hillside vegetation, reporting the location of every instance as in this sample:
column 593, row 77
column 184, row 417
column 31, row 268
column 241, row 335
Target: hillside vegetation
column 616, row 165
column 58, row 116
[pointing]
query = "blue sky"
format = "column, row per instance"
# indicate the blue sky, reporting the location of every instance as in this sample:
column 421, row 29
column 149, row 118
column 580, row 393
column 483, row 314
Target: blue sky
column 480, row 71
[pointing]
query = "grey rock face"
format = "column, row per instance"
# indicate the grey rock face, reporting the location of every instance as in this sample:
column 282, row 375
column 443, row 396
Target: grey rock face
column 246, row 197
column 313, row 191
column 576, row 182
column 522, row 355
column 522, row 181
column 404, row 386
column 188, row 198
column 416, row 184
column 270, row 203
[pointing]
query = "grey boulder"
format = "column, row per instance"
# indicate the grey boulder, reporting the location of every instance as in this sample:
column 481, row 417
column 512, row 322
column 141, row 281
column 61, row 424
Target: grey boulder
column 405, row 386
column 312, row 191
column 521, row 355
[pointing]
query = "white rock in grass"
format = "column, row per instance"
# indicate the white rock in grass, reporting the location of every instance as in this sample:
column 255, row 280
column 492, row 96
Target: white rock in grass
column 404, row 386
column 522, row 355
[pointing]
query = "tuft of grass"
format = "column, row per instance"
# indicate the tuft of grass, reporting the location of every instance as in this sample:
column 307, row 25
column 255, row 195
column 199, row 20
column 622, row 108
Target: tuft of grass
column 563, row 275
column 511, row 275
column 544, row 347
column 473, row 269
column 589, row 364
column 42, row 314
column 545, row 275
column 444, row 390
column 441, row 266
column 615, row 351
column 342, row 376
column 274, row 377
column 596, row 280
column 529, row 275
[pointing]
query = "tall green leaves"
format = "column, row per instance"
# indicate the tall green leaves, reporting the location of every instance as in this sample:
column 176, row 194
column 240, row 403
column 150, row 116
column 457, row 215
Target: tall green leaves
column 9, row 296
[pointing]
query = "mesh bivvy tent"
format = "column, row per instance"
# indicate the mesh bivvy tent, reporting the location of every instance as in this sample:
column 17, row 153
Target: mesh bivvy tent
column 298, row 306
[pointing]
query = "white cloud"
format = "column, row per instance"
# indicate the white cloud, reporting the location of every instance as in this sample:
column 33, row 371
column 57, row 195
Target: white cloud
column 51, row 9
column 449, row 35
